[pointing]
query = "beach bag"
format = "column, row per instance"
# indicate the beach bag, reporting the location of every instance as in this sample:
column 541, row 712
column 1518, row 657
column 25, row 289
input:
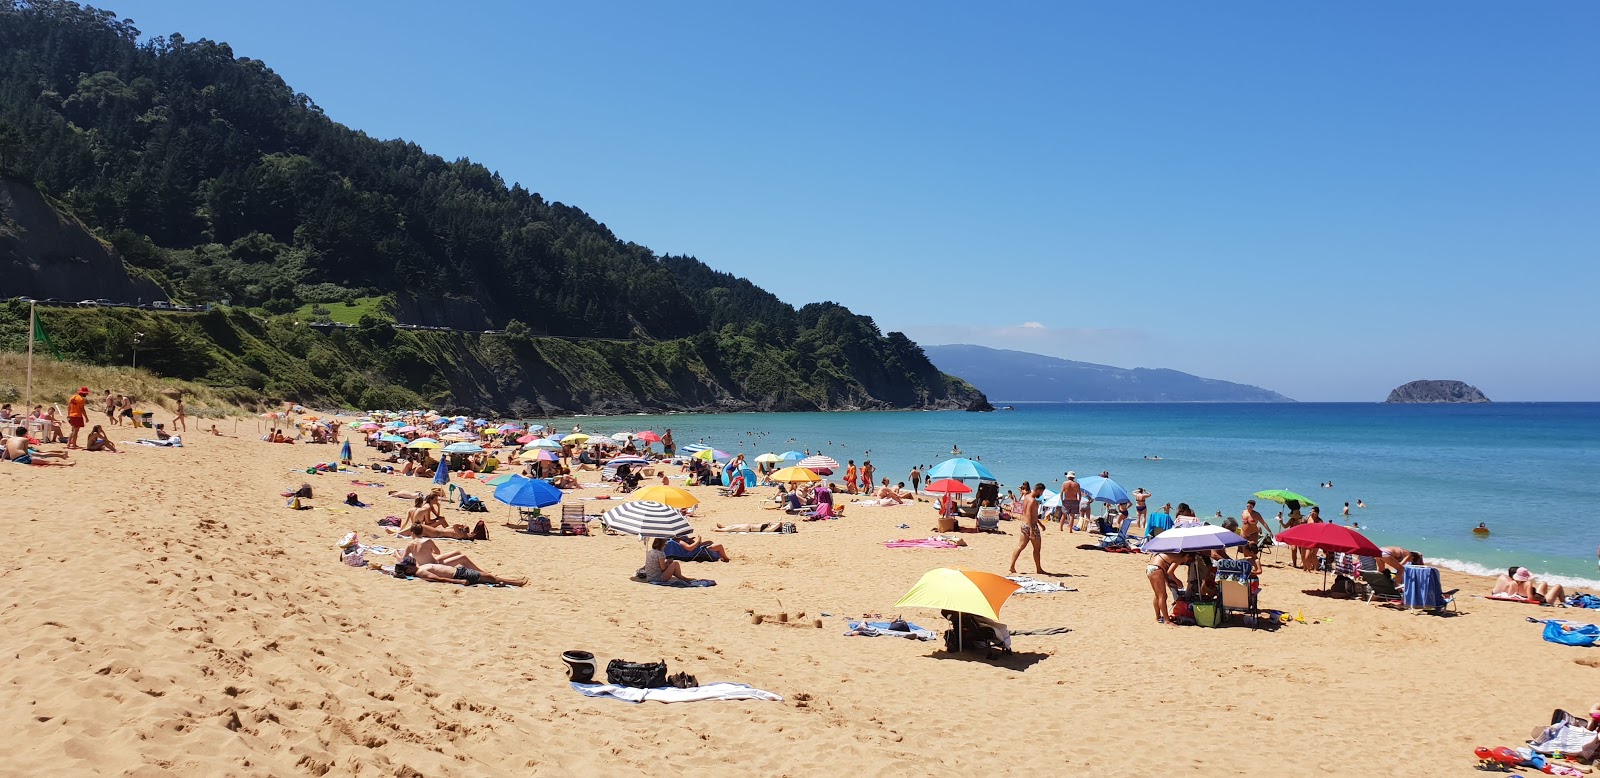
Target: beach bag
column 1207, row 614
column 538, row 525
column 1579, row 635
column 639, row 675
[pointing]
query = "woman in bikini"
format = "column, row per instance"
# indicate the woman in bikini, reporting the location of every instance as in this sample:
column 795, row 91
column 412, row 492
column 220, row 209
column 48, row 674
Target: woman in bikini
column 1159, row 571
column 98, row 441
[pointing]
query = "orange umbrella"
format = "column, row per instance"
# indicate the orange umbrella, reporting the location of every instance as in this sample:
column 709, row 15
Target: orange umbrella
column 960, row 590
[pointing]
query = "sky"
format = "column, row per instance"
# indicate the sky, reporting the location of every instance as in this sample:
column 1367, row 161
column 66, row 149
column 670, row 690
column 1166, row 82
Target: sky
column 1324, row 199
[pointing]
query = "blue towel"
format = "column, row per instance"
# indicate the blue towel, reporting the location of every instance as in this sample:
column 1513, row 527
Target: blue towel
column 1422, row 588
column 1580, row 635
column 1584, row 601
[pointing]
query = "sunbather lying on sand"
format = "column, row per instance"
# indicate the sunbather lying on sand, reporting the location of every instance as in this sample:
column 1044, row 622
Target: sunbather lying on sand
column 1518, row 583
column 463, row 572
column 423, row 521
column 16, row 450
column 770, row 526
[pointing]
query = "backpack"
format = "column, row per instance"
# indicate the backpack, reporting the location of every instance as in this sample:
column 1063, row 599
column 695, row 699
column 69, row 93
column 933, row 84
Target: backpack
column 639, row 675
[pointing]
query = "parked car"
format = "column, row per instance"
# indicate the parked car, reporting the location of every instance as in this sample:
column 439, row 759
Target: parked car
column 161, row 305
column 88, row 304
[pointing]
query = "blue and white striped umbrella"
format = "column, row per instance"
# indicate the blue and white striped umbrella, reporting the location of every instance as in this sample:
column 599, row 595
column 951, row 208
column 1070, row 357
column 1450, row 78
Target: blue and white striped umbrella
column 692, row 449
column 647, row 520
column 463, row 447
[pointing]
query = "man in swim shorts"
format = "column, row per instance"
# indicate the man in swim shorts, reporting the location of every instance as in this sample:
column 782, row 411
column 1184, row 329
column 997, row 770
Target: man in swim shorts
column 1032, row 530
column 16, row 450
column 1070, row 494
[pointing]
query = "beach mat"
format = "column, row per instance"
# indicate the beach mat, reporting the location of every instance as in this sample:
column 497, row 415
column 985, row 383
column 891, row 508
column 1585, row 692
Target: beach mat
column 699, row 583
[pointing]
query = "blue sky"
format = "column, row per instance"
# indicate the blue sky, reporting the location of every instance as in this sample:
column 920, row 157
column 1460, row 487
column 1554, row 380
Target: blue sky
column 1324, row 199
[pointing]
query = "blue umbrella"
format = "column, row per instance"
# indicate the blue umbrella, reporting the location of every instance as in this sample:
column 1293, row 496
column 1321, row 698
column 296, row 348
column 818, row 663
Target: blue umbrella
column 961, row 469
column 442, row 476
column 749, row 476
column 392, row 439
column 788, row 455
column 527, row 493
column 344, row 452
column 1105, row 490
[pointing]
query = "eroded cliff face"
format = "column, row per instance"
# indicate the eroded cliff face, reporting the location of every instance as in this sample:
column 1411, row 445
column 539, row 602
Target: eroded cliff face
column 45, row 253
column 1429, row 391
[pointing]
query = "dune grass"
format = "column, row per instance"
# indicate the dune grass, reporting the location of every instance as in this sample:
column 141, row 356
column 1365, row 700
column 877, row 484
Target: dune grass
column 54, row 382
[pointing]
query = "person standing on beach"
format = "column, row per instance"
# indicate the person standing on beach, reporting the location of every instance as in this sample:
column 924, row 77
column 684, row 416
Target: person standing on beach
column 666, row 443
column 178, row 420
column 1032, row 531
column 916, row 480
column 1140, row 496
column 866, row 475
column 1070, row 492
column 1254, row 529
column 77, row 414
column 110, row 402
column 849, row 477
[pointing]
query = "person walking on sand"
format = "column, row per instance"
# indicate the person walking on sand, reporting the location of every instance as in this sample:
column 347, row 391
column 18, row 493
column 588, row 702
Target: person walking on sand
column 77, row 414
column 1070, row 492
column 866, row 475
column 178, row 420
column 1032, row 531
column 916, row 480
column 110, row 402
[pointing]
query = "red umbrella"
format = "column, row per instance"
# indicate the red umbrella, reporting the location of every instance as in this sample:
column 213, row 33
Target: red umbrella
column 1329, row 537
column 948, row 486
column 648, row 437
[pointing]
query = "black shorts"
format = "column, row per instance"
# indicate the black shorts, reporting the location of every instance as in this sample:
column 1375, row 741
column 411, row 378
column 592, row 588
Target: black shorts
column 469, row 575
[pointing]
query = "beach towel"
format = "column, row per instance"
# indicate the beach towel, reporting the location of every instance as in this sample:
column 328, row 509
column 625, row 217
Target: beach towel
column 873, row 629
column 1042, row 631
column 175, row 442
column 698, row 583
column 922, row 543
column 1503, row 597
column 710, row 691
column 1569, row 633
column 1422, row 588
column 1584, row 601
column 1035, row 586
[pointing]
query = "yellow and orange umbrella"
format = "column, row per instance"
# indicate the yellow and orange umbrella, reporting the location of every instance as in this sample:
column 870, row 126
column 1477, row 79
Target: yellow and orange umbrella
column 795, row 475
column 670, row 496
column 960, row 590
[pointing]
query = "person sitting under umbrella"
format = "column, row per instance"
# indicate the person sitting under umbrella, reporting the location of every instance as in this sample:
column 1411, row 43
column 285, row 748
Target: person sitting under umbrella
column 658, row 568
column 690, row 548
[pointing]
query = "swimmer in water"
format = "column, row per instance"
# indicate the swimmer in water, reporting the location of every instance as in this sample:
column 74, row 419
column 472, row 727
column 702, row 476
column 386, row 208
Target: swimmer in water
column 1360, row 504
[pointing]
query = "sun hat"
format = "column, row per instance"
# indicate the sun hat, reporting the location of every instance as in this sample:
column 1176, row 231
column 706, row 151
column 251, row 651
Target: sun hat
column 83, row 390
column 1072, row 474
column 1522, row 574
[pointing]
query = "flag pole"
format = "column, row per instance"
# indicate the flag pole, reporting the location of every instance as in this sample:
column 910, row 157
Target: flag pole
column 29, row 403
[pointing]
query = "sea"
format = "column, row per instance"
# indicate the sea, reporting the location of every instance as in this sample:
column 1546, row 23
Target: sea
column 1428, row 474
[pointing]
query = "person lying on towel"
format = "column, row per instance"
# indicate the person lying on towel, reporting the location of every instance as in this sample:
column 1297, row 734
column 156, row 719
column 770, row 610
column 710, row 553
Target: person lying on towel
column 690, row 548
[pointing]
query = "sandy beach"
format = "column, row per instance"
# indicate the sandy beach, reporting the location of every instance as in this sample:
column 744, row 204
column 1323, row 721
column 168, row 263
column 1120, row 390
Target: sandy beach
column 165, row 614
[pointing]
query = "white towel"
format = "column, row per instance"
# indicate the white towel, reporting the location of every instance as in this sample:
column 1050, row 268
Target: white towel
column 711, row 691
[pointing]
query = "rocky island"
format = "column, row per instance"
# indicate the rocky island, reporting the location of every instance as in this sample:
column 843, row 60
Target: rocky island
column 1436, row 392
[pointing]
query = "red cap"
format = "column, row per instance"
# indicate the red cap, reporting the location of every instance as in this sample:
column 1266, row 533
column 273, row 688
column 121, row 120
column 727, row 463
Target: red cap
column 83, row 390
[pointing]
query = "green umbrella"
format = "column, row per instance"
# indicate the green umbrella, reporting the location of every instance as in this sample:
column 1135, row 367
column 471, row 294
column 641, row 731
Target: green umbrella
column 502, row 479
column 1283, row 496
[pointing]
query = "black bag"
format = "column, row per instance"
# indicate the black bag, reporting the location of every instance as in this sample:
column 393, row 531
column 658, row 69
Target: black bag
column 639, row 675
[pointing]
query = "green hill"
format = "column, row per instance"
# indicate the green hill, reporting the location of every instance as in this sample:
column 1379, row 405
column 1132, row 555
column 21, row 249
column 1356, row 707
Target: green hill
column 213, row 179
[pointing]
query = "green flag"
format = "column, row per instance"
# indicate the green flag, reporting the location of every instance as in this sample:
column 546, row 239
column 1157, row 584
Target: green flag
column 40, row 336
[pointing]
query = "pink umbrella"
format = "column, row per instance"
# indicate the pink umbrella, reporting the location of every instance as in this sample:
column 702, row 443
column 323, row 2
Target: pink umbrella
column 527, row 438
column 408, row 428
column 545, row 456
column 648, row 437
column 368, row 427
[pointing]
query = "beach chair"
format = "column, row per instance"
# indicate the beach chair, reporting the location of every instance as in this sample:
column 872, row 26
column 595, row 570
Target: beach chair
column 573, row 520
column 1120, row 543
column 1380, row 588
column 1422, row 590
column 1238, row 597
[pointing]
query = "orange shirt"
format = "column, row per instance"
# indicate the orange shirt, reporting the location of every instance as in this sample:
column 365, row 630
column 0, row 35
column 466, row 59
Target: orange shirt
column 75, row 407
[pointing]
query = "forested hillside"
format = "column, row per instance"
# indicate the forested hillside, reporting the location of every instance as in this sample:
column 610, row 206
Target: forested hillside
column 214, row 179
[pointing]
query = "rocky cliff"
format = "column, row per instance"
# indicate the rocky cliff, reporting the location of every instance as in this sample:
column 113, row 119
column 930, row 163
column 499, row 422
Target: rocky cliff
column 1436, row 392
column 47, row 253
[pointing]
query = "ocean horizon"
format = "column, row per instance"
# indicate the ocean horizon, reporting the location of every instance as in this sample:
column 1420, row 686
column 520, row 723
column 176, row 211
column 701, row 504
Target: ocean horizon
column 1429, row 473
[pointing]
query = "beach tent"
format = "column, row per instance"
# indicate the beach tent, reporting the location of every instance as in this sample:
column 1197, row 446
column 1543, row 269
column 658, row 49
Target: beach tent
column 728, row 474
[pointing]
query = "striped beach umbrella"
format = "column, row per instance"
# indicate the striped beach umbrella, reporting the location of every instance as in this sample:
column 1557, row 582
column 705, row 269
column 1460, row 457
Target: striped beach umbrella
column 692, row 449
column 647, row 519
column 820, row 463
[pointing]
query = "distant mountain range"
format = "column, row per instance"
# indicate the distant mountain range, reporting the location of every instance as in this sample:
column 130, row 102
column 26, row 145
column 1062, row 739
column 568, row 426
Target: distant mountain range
column 1018, row 376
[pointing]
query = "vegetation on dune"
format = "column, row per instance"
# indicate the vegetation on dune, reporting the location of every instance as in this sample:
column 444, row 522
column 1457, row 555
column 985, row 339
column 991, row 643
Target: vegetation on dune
column 216, row 180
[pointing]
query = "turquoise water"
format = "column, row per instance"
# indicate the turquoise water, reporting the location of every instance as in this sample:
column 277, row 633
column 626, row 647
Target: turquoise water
column 1428, row 473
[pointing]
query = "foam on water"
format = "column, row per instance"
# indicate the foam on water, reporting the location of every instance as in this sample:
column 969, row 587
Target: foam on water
column 1473, row 568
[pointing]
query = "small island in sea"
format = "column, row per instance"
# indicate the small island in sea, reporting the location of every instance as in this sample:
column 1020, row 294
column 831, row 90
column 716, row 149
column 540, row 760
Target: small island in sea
column 1428, row 391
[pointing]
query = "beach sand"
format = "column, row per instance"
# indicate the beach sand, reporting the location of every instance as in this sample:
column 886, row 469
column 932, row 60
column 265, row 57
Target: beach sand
column 165, row 614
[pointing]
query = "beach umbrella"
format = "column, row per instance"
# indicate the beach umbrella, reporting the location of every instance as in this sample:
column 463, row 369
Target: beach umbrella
column 635, row 461
column 648, row 437
column 670, row 496
column 961, row 469
column 712, row 454
column 960, row 590
column 647, row 520
column 622, row 437
column 527, row 438
column 1283, row 497
column 795, row 475
column 1104, row 490
column 791, row 456
column 576, row 438
column 442, row 475
column 427, row 443
column 821, row 464
column 1324, row 536
column 395, row 425
column 1186, row 539
column 392, row 439
column 692, row 449
column 368, row 427
column 344, row 452
column 729, row 473
column 545, row 456
column 463, row 448
column 769, row 459
column 527, row 493
column 546, row 444
column 407, row 428
column 500, row 479
column 948, row 486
